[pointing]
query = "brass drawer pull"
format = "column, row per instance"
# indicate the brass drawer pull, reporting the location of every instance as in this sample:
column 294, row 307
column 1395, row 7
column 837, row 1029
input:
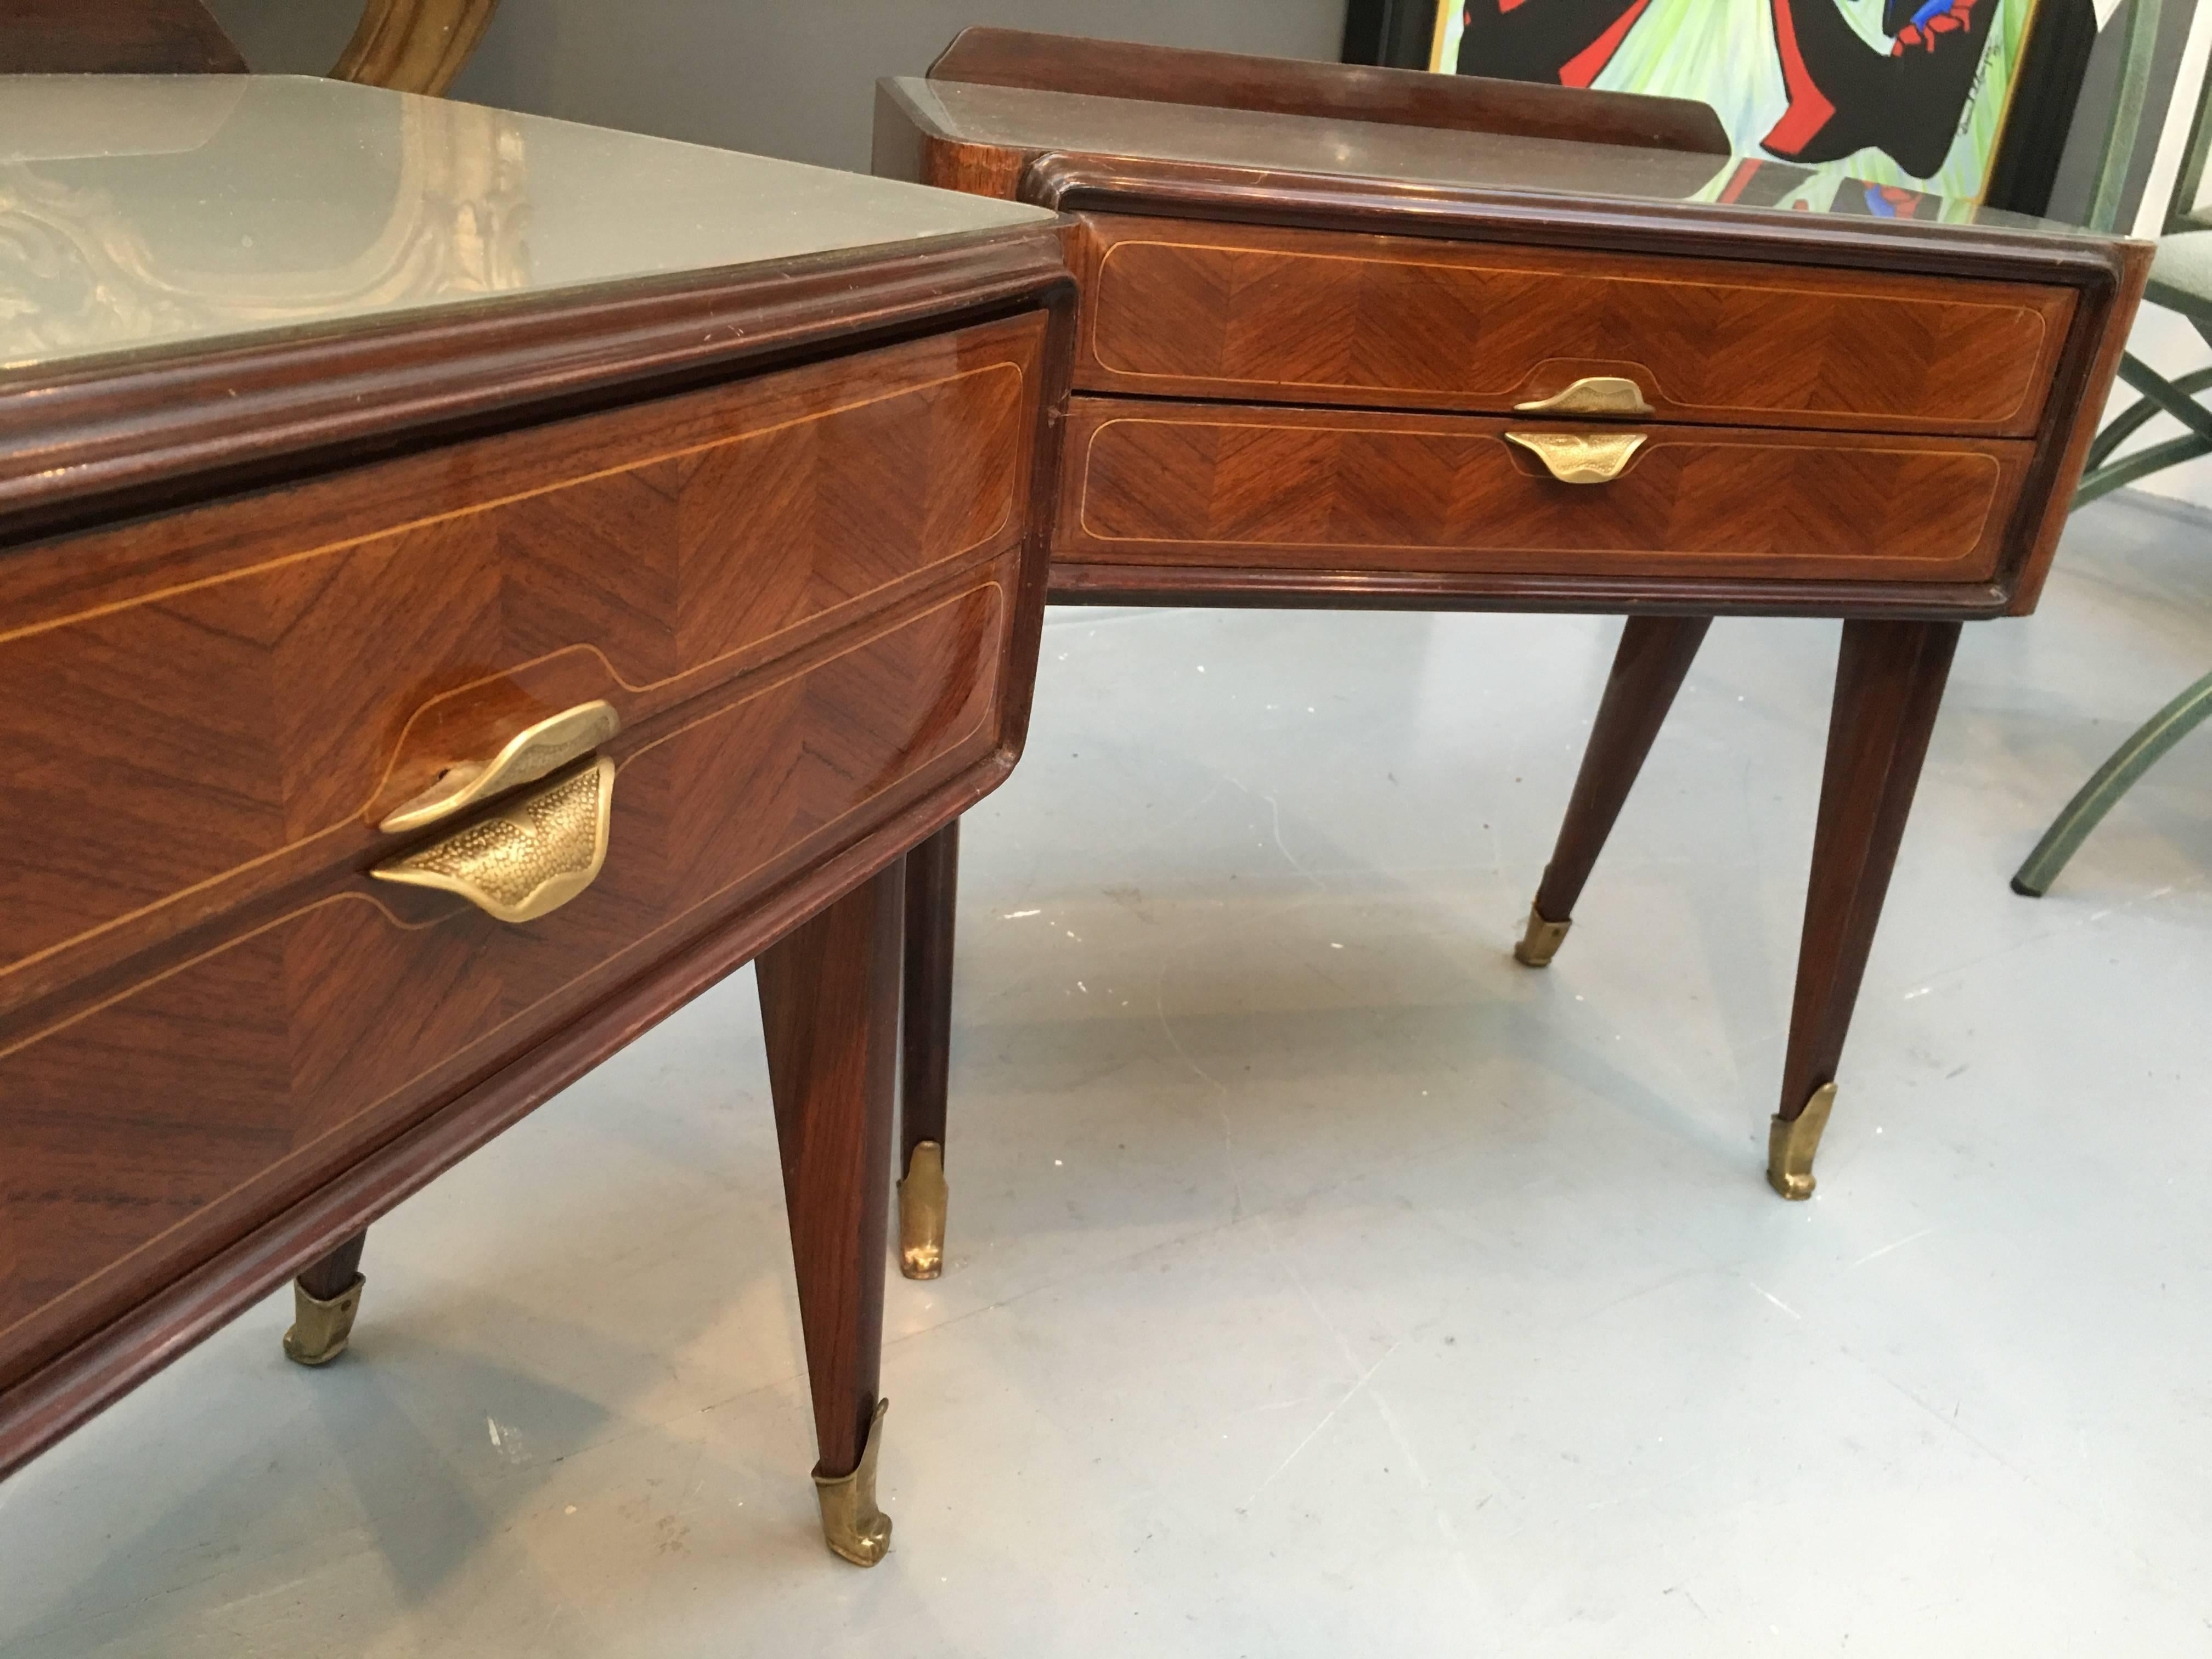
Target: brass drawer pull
column 530, row 856
column 1581, row 458
column 1595, row 394
column 527, row 755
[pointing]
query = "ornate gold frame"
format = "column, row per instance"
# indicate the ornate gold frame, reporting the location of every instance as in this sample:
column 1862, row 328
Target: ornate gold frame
column 413, row 45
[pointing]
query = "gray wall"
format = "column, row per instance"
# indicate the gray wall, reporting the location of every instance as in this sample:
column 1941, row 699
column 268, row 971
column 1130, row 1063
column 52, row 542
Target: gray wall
column 288, row 37
column 782, row 77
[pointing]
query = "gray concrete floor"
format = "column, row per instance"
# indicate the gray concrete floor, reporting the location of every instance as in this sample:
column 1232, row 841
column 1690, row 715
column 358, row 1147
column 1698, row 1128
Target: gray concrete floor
column 1321, row 1282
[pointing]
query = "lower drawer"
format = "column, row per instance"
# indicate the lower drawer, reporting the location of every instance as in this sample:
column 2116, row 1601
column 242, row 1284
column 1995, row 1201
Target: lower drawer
column 143, row 1132
column 1189, row 484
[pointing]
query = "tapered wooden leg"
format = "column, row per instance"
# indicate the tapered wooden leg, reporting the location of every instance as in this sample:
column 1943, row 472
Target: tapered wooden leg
column 1889, row 683
column 325, row 1299
column 828, row 993
column 932, row 879
column 1655, row 654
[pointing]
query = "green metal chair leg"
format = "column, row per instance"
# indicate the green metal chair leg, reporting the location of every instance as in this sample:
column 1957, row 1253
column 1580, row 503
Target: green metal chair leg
column 2139, row 414
column 2112, row 780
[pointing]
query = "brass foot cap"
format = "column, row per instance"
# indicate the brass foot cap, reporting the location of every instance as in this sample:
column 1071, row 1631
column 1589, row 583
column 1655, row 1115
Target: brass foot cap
column 320, row 1329
column 921, row 1200
column 1791, row 1143
column 1541, row 942
column 851, row 1525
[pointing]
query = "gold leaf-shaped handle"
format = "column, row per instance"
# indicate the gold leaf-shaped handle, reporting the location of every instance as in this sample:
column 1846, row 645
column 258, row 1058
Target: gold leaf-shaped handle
column 1581, row 458
column 1595, row 394
column 527, row 755
column 531, row 855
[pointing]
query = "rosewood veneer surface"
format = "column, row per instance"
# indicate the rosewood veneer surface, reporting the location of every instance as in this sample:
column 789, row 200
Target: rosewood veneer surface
column 348, row 434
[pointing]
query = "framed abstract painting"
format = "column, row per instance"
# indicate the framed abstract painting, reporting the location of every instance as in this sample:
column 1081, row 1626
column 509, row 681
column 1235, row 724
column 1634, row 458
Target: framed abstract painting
column 1909, row 95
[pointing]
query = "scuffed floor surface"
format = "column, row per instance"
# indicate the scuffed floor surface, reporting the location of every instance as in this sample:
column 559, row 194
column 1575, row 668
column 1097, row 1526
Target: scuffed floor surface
column 1322, row 1283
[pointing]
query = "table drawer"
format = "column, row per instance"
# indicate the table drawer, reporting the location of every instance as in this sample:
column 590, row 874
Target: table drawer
column 1198, row 484
column 195, row 1100
column 1189, row 309
column 204, row 708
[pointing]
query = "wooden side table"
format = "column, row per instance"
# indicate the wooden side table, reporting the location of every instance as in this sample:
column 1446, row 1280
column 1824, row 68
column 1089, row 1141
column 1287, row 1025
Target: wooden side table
column 467, row 583
column 1362, row 337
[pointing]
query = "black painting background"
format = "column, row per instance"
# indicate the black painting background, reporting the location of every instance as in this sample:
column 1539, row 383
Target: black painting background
column 1398, row 32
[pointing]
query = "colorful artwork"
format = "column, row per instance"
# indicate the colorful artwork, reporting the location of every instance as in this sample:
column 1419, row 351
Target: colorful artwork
column 1905, row 94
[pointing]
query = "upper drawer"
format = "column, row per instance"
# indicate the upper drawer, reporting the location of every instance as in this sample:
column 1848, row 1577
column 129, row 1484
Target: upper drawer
column 201, row 708
column 1188, row 309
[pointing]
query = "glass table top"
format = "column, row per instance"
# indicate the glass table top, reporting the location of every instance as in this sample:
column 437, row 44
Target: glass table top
column 143, row 211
